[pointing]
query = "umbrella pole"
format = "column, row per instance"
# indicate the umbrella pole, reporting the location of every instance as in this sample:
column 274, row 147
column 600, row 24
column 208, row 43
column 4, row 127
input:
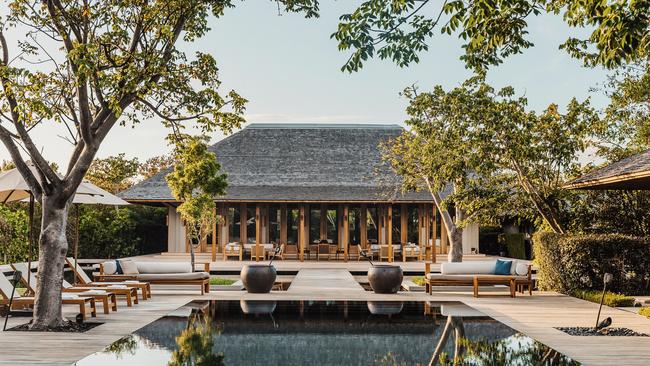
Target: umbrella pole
column 30, row 238
column 76, row 241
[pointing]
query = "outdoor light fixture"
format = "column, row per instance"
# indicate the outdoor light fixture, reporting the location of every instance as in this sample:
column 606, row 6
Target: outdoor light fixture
column 607, row 322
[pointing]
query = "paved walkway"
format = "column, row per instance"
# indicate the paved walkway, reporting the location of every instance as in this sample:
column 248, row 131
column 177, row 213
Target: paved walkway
column 324, row 280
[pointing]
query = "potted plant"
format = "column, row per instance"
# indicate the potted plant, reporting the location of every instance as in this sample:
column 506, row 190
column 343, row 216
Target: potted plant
column 259, row 278
column 384, row 278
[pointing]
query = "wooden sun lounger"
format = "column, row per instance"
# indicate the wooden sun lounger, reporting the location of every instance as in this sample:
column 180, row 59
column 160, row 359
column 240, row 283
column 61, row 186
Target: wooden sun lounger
column 108, row 298
column 22, row 301
column 85, row 281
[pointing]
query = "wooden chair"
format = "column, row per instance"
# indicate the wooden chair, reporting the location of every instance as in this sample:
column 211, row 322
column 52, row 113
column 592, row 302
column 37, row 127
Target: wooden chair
column 411, row 252
column 384, row 253
column 233, row 250
column 353, row 251
column 85, row 281
column 19, row 301
column 291, row 250
column 367, row 252
column 323, row 249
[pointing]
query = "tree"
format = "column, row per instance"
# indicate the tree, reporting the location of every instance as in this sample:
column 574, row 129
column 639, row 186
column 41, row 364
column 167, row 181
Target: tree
column 491, row 150
column 492, row 29
column 195, row 181
column 154, row 165
column 114, row 173
column 90, row 66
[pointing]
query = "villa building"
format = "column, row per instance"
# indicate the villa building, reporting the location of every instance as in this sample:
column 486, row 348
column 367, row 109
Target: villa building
column 304, row 184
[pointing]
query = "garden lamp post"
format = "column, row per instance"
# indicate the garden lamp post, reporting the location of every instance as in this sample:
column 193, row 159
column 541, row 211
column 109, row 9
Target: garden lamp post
column 606, row 280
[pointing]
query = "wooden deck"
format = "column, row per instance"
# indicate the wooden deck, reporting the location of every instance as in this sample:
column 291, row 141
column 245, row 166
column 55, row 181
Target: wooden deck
column 536, row 316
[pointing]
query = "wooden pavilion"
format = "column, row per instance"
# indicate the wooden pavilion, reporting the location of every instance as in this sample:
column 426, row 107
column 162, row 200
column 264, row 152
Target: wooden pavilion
column 307, row 184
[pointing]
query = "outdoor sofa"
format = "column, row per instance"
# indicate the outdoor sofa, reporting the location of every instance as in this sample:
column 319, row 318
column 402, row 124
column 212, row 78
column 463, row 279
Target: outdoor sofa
column 157, row 273
column 477, row 273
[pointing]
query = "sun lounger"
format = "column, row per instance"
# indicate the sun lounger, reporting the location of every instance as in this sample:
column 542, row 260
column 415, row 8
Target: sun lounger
column 107, row 295
column 19, row 301
column 85, row 281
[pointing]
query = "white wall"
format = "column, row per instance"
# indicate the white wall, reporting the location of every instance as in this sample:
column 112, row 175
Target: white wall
column 175, row 232
column 470, row 238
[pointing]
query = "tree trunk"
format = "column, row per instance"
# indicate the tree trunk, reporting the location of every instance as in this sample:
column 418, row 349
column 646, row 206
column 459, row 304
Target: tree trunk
column 53, row 246
column 454, row 233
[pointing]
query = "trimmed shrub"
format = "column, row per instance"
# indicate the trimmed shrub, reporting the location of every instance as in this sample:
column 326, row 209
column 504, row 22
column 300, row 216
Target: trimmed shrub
column 645, row 312
column 611, row 298
column 515, row 245
column 578, row 262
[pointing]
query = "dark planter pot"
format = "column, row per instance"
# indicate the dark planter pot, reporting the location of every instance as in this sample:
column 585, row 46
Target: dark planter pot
column 385, row 307
column 258, row 278
column 385, row 279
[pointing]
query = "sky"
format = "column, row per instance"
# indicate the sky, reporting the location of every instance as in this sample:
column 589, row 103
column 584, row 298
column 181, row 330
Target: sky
column 289, row 70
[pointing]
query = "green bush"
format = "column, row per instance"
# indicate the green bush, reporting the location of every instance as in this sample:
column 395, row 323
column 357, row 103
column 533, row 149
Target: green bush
column 515, row 245
column 14, row 224
column 575, row 262
column 611, row 298
column 645, row 312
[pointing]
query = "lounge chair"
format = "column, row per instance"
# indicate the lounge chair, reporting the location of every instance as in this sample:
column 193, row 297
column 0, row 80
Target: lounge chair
column 67, row 299
column 323, row 249
column 106, row 295
column 157, row 273
column 85, row 281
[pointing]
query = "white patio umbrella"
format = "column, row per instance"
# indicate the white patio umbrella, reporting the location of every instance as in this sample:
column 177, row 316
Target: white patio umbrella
column 101, row 198
column 13, row 187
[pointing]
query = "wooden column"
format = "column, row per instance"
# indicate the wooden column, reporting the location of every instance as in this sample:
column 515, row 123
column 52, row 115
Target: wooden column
column 243, row 218
column 215, row 233
column 346, row 231
column 380, row 225
column 427, row 231
column 444, row 240
column 283, row 224
column 403, row 225
column 307, row 225
column 434, row 212
column 258, row 232
column 363, row 229
column 389, row 231
column 301, row 233
column 323, row 222
column 339, row 226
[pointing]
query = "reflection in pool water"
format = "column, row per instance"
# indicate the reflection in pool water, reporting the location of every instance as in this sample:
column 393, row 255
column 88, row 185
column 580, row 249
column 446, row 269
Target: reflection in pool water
column 325, row 333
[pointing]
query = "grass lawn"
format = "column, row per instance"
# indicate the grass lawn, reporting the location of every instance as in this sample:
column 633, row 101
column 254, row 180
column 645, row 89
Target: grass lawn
column 221, row 281
column 418, row 280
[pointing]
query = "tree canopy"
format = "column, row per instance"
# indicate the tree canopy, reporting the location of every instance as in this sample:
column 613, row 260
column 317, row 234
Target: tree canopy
column 492, row 30
column 491, row 149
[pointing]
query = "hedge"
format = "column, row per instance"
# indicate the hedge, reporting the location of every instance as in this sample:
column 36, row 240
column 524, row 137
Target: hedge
column 515, row 245
column 611, row 298
column 645, row 312
column 578, row 262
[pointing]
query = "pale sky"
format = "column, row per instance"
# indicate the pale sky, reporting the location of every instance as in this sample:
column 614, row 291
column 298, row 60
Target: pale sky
column 289, row 70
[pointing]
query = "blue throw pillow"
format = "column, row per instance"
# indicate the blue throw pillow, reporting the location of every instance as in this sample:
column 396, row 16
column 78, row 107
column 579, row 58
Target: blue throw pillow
column 119, row 267
column 502, row 267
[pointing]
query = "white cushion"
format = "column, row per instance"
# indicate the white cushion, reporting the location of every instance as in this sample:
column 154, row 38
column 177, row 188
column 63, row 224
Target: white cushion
column 164, row 267
column 68, row 296
column 129, row 267
column 522, row 269
column 117, row 287
column 471, row 267
column 110, row 267
column 92, row 292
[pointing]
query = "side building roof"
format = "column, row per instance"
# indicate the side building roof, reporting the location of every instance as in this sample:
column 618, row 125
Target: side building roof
column 299, row 163
column 632, row 172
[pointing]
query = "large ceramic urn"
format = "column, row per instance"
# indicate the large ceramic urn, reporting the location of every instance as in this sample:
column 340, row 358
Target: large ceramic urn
column 385, row 279
column 258, row 278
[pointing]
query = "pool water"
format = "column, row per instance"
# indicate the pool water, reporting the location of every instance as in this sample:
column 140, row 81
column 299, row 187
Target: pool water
column 326, row 333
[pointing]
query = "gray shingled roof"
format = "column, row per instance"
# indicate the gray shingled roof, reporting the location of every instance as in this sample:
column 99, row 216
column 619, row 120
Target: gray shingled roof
column 630, row 173
column 298, row 162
